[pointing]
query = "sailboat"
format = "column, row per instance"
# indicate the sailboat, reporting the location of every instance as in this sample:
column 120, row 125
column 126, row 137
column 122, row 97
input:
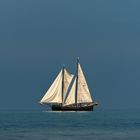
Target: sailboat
column 69, row 92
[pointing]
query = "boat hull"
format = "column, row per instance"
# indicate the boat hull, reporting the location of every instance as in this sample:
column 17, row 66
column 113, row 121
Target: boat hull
column 72, row 108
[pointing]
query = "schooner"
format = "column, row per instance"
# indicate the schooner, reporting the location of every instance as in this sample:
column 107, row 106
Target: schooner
column 69, row 92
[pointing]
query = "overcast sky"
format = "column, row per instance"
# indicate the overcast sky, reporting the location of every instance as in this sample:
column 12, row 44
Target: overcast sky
column 38, row 36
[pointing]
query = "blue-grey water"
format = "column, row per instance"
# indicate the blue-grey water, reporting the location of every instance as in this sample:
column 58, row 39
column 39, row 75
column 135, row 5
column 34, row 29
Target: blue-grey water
column 97, row 125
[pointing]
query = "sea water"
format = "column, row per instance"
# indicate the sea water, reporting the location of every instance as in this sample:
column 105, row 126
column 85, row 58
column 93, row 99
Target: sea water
column 96, row 125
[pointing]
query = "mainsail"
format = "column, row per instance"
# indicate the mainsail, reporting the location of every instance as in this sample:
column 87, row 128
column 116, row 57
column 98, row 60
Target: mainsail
column 83, row 93
column 60, row 86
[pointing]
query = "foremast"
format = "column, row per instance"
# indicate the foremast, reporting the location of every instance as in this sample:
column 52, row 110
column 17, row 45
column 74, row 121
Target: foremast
column 63, row 73
column 56, row 94
column 76, row 88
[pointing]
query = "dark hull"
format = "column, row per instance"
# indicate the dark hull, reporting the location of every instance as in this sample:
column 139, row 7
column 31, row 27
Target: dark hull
column 72, row 108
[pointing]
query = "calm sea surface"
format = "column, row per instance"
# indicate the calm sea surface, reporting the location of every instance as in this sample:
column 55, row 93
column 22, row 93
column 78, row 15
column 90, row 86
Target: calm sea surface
column 97, row 125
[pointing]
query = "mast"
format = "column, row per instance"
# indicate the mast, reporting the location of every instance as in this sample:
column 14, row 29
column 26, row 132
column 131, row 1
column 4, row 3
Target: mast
column 63, row 83
column 76, row 89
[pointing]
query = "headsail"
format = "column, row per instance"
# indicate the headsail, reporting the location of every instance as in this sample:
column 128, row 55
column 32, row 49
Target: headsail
column 83, row 93
column 54, row 93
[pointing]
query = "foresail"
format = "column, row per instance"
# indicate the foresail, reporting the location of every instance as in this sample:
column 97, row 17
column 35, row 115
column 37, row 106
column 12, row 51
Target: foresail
column 83, row 94
column 67, row 81
column 71, row 97
column 54, row 93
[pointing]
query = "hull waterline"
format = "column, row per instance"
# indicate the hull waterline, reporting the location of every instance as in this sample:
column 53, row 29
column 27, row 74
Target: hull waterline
column 72, row 108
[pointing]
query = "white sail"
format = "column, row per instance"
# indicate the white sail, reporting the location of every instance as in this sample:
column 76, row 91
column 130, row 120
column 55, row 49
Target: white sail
column 83, row 93
column 54, row 94
column 71, row 97
column 67, row 80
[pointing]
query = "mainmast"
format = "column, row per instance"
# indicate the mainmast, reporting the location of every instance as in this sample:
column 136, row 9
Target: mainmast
column 63, row 83
column 76, row 89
